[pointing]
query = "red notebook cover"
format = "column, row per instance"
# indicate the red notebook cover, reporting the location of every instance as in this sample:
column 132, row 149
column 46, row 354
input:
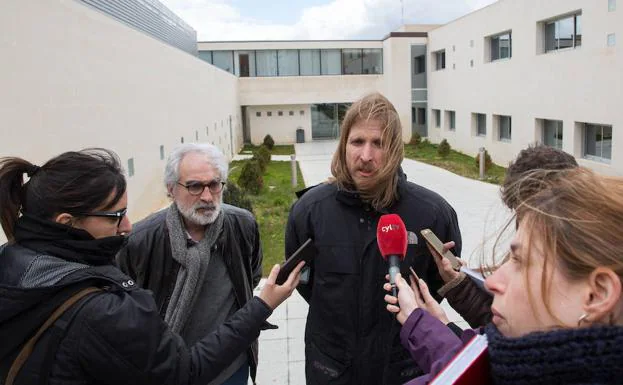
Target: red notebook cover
column 469, row 367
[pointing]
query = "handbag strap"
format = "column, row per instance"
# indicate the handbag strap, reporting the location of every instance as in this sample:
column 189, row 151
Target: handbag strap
column 29, row 346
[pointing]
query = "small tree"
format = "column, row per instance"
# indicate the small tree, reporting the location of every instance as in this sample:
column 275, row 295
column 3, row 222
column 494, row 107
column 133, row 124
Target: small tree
column 250, row 178
column 269, row 142
column 416, row 139
column 443, row 149
column 488, row 161
column 262, row 155
column 234, row 195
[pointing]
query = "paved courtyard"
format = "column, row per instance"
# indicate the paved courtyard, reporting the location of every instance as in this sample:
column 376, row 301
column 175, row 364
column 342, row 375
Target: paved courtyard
column 480, row 213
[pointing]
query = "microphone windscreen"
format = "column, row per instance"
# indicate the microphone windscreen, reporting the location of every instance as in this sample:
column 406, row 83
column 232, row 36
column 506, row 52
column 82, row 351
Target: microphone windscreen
column 391, row 236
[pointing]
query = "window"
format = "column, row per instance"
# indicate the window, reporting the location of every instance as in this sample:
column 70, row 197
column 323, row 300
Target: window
column 352, row 61
column 450, row 120
column 563, row 33
column 413, row 115
column 437, row 115
column 269, row 113
column 501, row 46
column 372, row 61
column 479, row 122
column 440, row 59
column 288, row 60
column 196, row 135
column 504, row 127
column 291, row 113
column 310, row 61
column 223, row 60
column 205, row 56
column 552, row 133
column 471, row 63
column 330, row 62
column 419, row 64
column 161, row 152
column 611, row 40
column 598, row 142
column 182, row 139
column 131, row 167
column 207, row 130
column 244, row 63
column 258, row 114
column 280, row 113
column 301, row 112
column 421, row 116
column 612, row 5
column 266, row 62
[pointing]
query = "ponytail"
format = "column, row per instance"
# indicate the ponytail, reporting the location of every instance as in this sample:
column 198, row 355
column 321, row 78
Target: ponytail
column 12, row 172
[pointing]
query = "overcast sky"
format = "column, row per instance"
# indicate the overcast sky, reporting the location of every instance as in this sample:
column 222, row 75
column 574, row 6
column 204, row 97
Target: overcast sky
column 313, row 19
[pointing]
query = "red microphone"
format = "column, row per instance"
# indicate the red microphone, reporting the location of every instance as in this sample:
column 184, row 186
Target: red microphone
column 391, row 236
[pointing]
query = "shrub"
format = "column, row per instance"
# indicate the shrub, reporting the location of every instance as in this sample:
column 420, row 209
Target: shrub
column 269, row 142
column 488, row 161
column 443, row 149
column 250, row 178
column 262, row 155
column 416, row 138
column 235, row 196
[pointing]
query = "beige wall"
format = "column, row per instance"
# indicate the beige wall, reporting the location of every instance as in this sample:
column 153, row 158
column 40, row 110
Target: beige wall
column 72, row 77
column 281, row 128
column 576, row 85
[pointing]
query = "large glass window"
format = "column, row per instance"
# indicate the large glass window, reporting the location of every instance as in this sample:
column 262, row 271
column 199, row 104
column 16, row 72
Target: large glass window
column 598, row 142
column 504, row 127
column 372, row 61
column 327, row 118
column 440, row 59
column 563, row 33
column 419, row 64
column 552, row 133
column 288, row 60
column 244, row 62
column 223, row 60
column 352, row 61
column 480, row 121
column 205, row 56
column 331, row 62
column 501, row 46
column 266, row 62
column 310, row 61
column 421, row 115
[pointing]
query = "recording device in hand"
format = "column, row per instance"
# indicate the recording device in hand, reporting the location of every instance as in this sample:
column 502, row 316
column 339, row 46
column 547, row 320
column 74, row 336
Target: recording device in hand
column 305, row 252
column 437, row 245
column 391, row 236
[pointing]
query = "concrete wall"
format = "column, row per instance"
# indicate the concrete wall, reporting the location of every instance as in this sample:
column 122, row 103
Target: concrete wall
column 584, row 84
column 72, row 77
column 281, row 128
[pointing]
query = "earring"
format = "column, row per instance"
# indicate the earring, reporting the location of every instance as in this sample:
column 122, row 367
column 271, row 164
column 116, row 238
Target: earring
column 583, row 317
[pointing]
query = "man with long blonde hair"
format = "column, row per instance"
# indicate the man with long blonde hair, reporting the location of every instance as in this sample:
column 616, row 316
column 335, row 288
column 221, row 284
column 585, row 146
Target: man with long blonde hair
column 349, row 338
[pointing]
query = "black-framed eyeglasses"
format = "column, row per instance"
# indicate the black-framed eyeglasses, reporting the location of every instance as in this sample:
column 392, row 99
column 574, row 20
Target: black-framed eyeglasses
column 107, row 214
column 196, row 188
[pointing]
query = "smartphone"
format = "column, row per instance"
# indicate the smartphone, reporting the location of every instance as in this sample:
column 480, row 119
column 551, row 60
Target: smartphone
column 305, row 252
column 437, row 245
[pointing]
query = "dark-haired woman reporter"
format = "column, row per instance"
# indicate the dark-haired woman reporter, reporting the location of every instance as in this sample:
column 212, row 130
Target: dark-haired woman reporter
column 65, row 225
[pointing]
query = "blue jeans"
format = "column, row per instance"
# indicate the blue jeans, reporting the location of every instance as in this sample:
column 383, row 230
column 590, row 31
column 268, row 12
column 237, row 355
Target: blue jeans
column 240, row 377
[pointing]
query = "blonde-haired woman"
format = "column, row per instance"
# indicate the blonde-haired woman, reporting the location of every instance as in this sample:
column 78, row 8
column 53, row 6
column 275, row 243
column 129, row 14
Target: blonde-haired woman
column 557, row 307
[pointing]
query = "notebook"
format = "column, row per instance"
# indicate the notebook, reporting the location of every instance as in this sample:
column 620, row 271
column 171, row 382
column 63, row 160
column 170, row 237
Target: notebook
column 469, row 367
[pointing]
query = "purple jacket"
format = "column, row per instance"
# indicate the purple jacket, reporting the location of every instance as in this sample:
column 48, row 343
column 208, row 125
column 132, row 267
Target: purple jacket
column 432, row 344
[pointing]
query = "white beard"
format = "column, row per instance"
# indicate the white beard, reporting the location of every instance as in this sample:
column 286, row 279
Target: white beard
column 205, row 218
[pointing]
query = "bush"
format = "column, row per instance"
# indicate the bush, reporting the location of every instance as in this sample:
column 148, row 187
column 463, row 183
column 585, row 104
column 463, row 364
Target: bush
column 235, row 196
column 262, row 155
column 269, row 142
column 488, row 161
column 443, row 149
column 250, row 178
column 416, row 139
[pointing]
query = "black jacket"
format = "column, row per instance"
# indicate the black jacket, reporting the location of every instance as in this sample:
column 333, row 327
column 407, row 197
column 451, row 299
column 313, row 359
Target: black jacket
column 116, row 336
column 350, row 337
column 148, row 259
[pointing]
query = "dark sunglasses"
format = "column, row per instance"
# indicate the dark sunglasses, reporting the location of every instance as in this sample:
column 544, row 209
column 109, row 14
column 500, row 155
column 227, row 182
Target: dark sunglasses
column 107, row 214
column 197, row 188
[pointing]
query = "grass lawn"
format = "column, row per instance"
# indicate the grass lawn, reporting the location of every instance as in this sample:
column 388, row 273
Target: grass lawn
column 455, row 162
column 277, row 150
column 271, row 207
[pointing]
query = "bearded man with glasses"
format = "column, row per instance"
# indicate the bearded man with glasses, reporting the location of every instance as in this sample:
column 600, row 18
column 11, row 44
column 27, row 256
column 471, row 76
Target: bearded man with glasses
column 200, row 257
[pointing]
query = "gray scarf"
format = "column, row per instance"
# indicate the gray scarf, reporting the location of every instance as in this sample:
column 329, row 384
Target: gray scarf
column 193, row 262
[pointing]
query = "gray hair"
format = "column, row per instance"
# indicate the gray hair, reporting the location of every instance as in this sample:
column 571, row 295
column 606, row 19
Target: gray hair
column 172, row 168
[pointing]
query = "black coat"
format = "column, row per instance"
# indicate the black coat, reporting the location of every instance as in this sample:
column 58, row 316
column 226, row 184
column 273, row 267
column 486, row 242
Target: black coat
column 148, row 259
column 116, row 336
column 350, row 338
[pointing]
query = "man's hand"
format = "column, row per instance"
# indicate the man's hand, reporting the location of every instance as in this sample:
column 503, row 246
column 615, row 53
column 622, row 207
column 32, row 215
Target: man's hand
column 274, row 294
column 444, row 266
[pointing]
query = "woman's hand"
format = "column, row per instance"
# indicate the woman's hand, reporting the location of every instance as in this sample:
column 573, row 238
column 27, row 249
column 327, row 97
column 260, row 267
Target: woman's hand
column 274, row 294
column 444, row 266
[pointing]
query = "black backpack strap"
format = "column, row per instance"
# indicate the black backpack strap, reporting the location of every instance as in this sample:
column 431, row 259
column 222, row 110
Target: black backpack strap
column 28, row 348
